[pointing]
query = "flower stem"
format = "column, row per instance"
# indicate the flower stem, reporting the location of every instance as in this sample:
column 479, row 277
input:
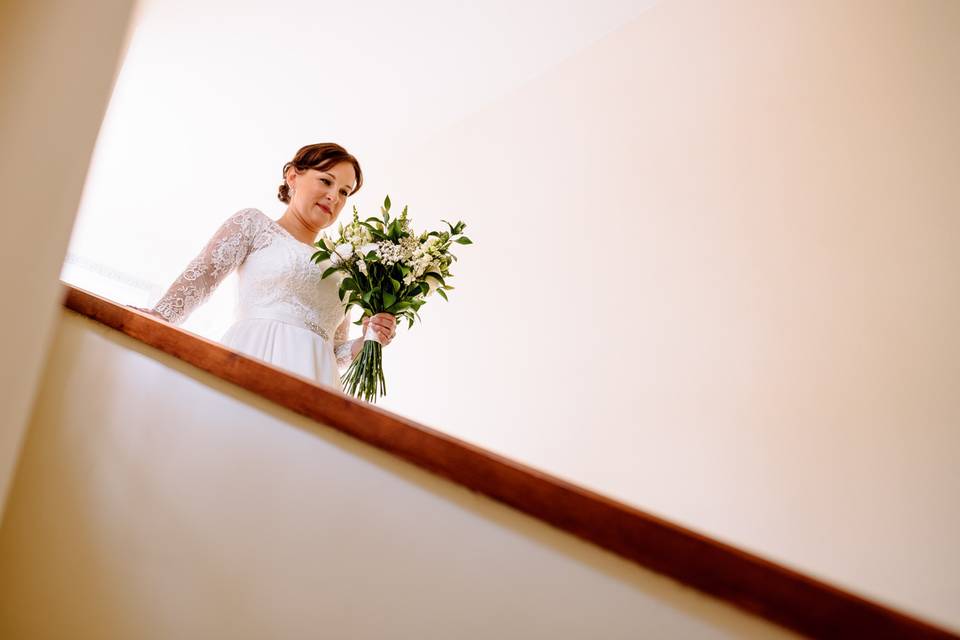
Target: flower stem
column 364, row 377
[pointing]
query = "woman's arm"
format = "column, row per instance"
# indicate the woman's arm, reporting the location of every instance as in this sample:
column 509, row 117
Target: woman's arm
column 344, row 349
column 224, row 252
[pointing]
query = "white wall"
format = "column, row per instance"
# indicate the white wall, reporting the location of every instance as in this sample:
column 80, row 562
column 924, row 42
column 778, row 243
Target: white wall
column 58, row 59
column 202, row 129
column 716, row 276
column 219, row 515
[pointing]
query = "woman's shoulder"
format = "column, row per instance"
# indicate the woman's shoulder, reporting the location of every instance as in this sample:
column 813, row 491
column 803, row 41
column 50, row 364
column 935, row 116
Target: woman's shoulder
column 251, row 221
column 250, row 214
column 249, row 227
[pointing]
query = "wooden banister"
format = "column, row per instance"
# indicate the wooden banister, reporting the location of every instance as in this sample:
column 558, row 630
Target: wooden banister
column 747, row 581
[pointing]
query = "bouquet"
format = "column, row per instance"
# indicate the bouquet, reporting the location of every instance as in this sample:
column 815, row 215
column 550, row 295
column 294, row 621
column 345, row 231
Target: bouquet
column 389, row 269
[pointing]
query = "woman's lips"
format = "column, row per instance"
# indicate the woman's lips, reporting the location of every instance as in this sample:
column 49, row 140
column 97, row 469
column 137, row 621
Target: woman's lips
column 324, row 207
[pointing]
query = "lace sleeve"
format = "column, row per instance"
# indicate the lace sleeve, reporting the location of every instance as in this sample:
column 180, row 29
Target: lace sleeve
column 342, row 347
column 236, row 238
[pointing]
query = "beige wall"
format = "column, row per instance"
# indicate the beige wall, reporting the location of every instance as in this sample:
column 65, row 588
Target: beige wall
column 717, row 276
column 739, row 224
column 58, row 59
column 202, row 512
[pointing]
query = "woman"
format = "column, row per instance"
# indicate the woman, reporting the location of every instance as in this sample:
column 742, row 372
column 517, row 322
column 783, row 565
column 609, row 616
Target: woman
column 287, row 314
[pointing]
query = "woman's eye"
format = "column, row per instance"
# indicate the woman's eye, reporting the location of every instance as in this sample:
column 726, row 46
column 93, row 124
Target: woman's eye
column 345, row 194
column 324, row 181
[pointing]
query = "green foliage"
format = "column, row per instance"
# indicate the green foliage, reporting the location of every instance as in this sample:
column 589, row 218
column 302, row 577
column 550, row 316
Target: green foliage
column 377, row 283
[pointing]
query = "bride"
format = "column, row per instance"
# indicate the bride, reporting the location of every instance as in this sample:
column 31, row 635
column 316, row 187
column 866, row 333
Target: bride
column 287, row 315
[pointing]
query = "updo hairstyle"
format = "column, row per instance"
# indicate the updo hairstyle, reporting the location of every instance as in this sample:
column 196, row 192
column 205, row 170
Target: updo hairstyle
column 320, row 156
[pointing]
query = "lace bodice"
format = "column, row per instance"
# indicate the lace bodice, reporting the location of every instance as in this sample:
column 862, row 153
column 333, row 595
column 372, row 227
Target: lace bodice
column 276, row 280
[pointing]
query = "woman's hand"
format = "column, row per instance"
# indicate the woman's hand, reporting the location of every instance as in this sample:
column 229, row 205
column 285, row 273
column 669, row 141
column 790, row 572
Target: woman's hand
column 147, row 311
column 384, row 325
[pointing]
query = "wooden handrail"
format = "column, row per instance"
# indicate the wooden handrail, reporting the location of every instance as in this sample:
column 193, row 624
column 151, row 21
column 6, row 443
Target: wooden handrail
column 747, row 581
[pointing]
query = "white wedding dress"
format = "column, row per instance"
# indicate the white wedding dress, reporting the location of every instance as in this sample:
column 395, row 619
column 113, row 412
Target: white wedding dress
column 286, row 314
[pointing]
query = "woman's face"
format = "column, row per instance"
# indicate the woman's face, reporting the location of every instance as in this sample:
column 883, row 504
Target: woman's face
column 318, row 196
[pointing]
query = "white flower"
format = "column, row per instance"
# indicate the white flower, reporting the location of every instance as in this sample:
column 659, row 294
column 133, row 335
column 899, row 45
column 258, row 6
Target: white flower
column 362, row 265
column 327, row 242
column 367, row 248
column 389, row 252
column 341, row 253
column 433, row 283
column 356, row 234
column 409, row 247
column 422, row 265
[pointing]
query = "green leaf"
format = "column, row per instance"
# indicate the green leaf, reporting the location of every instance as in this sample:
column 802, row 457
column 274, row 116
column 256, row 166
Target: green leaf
column 349, row 284
column 329, row 272
column 443, row 294
column 386, row 202
column 388, row 299
column 463, row 240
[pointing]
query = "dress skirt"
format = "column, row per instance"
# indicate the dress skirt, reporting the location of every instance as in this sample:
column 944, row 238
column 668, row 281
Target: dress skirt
column 287, row 346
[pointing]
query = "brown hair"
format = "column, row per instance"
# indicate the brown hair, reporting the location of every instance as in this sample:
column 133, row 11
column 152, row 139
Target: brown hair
column 320, row 156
